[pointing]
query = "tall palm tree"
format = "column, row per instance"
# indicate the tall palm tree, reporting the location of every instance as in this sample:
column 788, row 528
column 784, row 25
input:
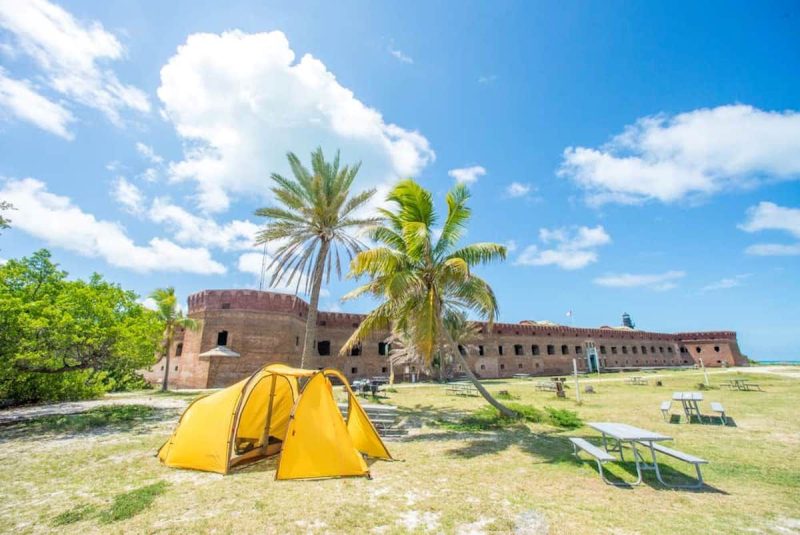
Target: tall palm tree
column 172, row 316
column 402, row 350
column 314, row 218
column 462, row 331
column 422, row 280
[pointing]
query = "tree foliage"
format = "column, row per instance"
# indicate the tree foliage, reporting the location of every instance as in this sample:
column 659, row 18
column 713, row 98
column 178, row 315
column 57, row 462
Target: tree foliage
column 68, row 339
column 4, row 222
column 314, row 221
column 425, row 282
column 171, row 316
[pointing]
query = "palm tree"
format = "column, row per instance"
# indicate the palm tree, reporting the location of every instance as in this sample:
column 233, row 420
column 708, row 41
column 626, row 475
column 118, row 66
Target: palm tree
column 402, row 350
column 315, row 218
column 172, row 316
column 422, row 280
column 462, row 331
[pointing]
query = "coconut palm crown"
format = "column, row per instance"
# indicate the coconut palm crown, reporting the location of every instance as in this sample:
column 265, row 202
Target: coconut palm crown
column 313, row 219
column 171, row 315
column 420, row 279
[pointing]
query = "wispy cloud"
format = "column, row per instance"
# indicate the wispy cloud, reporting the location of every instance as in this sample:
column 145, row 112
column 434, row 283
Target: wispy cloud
column 400, row 55
column 769, row 216
column 467, row 175
column 654, row 281
column 487, row 79
column 566, row 248
column 725, row 283
column 518, row 189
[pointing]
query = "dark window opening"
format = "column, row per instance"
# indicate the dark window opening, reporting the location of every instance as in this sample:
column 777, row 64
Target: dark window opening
column 296, row 341
column 535, row 349
column 660, row 349
column 355, row 351
column 624, row 350
column 652, row 349
column 384, row 369
column 578, row 350
column 483, row 367
column 716, row 348
column 222, row 338
column 162, row 368
column 551, row 350
column 519, row 365
column 226, row 306
column 518, row 350
column 179, row 349
column 353, row 370
column 698, row 349
column 502, row 366
column 602, row 350
column 634, row 350
column 564, row 350
column 355, row 325
column 613, row 350
column 644, row 350
column 382, row 348
column 176, row 368
column 323, row 323
column 324, row 348
column 480, row 350
column 499, row 350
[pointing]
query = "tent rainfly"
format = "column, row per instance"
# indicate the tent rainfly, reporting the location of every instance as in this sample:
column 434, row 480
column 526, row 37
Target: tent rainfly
column 269, row 413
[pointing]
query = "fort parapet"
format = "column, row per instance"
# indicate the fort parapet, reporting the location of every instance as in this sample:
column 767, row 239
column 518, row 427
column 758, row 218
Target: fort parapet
column 263, row 327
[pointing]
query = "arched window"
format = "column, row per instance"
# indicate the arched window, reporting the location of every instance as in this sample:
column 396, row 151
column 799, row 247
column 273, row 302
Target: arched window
column 179, row 349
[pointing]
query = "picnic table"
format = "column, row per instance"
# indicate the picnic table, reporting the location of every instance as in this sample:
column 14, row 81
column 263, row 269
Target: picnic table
column 741, row 384
column 521, row 375
column 462, row 389
column 635, row 437
column 549, row 386
column 637, row 380
column 689, row 401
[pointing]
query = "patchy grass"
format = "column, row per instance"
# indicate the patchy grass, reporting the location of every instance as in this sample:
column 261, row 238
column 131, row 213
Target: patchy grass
column 488, row 418
column 76, row 514
column 129, row 504
column 490, row 478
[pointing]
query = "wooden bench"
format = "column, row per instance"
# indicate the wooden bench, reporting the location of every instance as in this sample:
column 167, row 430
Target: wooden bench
column 548, row 386
column 685, row 457
column 718, row 408
column 598, row 454
column 640, row 381
column 521, row 376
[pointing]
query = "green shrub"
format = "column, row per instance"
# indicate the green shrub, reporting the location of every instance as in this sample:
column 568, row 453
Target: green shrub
column 564, row 418
column 506, row 395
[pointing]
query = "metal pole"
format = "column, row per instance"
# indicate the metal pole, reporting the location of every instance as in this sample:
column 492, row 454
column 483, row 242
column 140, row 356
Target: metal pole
column 577, row 386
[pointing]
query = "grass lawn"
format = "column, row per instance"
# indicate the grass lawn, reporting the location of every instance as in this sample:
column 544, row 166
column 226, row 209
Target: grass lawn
column 96, row 471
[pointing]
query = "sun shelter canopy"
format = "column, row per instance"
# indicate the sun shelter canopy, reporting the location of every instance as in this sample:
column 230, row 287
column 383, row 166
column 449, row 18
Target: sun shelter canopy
column 268, row 414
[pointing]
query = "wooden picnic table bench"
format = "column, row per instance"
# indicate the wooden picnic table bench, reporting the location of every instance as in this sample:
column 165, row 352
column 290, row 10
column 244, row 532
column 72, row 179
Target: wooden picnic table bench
column 741, row 384
column 636, row 380
column 521, row 375
column 548, row 386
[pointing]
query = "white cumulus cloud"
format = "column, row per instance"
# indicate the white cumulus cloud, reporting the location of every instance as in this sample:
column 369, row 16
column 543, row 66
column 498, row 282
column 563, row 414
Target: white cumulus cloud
column 128, row 195
column 20, row 99
column 467, row 175
column 72, row 55
column 567, row 248
column 241, row 101
column 701, row 152
column 655, row 281
column 770, row 216
column 58, row 222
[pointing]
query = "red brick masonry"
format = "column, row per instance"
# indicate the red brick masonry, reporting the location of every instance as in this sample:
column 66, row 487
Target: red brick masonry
column 268, row 327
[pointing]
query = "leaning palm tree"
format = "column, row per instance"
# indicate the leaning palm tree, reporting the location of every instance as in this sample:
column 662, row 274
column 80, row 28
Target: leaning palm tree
column 421, row 280
column 315, row 217
column 172, row 317
column 402, row 351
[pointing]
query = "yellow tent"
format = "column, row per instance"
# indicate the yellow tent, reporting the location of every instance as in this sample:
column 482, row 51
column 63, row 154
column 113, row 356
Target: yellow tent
column 269, row 413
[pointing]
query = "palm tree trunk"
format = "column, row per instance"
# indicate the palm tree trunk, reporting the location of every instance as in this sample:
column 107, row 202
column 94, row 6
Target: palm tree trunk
column 313, row 305
column 505, row 411
column 167, row 344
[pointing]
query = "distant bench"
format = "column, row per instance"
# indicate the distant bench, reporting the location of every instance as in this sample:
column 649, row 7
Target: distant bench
column 461, row 389
column 641, row 381
column 741, row 384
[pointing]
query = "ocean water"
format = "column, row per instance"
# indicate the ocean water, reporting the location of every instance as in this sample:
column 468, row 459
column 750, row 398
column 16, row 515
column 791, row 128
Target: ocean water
column 779, row 362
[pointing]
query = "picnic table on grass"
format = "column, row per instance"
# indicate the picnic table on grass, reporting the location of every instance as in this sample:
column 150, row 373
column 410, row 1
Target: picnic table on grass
column 689, row 401
column 623, row 434
column 636, row 380
column 741, row 384
column 462, row 389
column 521, row 376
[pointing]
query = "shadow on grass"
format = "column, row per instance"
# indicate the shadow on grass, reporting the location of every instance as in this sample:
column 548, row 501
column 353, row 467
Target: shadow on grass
column 718, row 421
column 97, row 421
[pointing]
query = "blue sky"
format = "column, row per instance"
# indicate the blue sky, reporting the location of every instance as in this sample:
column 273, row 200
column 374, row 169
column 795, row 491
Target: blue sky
column 636, row 157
